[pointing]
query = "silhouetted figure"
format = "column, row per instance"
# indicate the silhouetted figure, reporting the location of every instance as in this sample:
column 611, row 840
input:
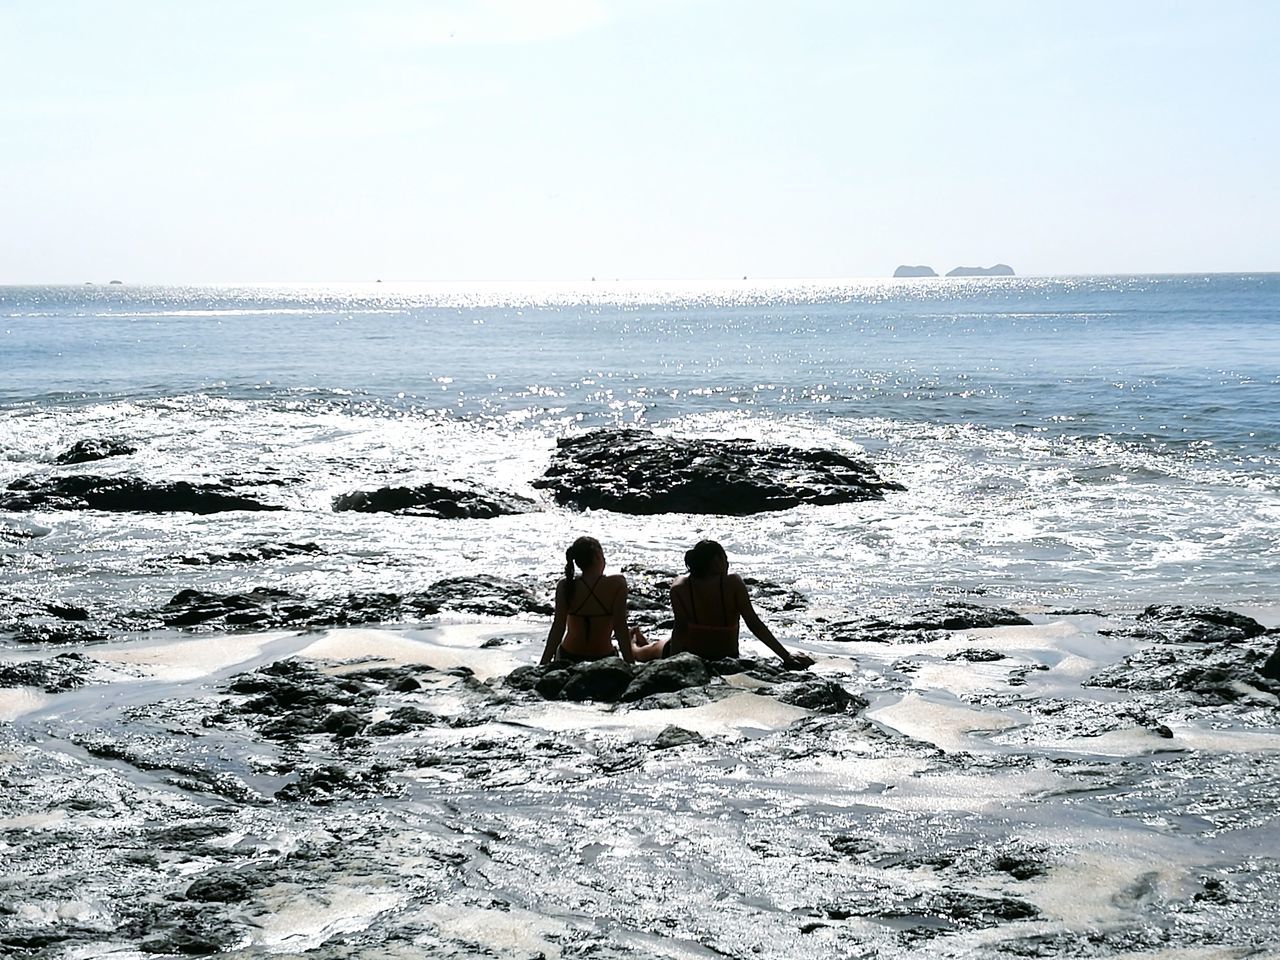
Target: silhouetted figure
column 590, row 607
column 709, row 603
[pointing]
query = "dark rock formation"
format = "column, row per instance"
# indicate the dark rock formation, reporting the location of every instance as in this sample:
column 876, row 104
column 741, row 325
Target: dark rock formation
column 923, row 625
column 89, row 492
column 256, row 554
column 1169, row 623
column 1214, row 655
column 633, row 471
column 999, row 270
column 1271, row 669
column 58, row 633
column 673, row 736
column 290, row 699
column 268, row 608
column 917, row 271
column 667, row 675
column 53, row 675
column 679, row 681
column 484, row 594
column 822, row 696
column 977, row 655
column 430, row 500
column 83, row 451
column 264, row 607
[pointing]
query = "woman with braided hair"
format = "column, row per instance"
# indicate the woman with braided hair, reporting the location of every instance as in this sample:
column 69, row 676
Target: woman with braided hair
column 591, row 608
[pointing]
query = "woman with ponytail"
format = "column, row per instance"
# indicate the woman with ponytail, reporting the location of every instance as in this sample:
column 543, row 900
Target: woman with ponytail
column 709, row 603
column 590, row 607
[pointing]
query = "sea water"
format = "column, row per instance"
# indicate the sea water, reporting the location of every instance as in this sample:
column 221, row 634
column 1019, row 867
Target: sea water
column 1087, row 441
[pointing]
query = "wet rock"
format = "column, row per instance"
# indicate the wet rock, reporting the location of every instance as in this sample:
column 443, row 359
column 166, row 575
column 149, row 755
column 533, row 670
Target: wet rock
column 924, row 625
column 1019, row 866
column 131, row 494
column 182, row 941
column 977, row 655
column 330, row 782
column 633, row 471
column 219, row 888
column 961, row 908
column 54, row 675
column 1170, row 623
column 1211, row 673
column 487, row 595
column 667, row 676
column 256, row 554
column 1271, row 669
column 821, row 695
column 58, row 633
column 403, row 720
column 430, row 500
column 83, row 451
column 265, row 607
column 601, row 680
column 290, row 699
column 673, row 736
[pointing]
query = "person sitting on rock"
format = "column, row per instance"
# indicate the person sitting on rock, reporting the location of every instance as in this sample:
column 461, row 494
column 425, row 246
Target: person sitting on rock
column 709, row 603
column 589, row 608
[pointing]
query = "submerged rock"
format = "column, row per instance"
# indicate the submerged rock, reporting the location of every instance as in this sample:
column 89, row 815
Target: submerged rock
column 924, row 625
column 430, row 500
column 255, row 554
column 633, row 471
column 84, row 451
column 128, row 494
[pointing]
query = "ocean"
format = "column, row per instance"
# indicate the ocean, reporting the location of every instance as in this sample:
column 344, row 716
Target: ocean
column 1083, row 441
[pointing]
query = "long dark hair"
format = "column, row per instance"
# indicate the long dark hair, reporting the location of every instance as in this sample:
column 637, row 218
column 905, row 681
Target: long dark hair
column 582, row 551
column 703, row 554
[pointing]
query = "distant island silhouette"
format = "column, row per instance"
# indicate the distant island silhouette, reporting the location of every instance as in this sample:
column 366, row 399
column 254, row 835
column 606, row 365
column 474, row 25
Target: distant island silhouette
column 999, row 270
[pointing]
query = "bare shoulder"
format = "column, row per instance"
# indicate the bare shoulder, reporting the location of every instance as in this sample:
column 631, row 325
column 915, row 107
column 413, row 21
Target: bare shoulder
column 617, row 580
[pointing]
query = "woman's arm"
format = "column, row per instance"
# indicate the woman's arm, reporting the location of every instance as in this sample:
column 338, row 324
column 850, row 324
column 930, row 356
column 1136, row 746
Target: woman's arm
column 760, row 630
column 556, row 634
column 620, row 631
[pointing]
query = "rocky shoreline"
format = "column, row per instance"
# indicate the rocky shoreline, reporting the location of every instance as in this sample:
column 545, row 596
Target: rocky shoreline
column 1062, row 785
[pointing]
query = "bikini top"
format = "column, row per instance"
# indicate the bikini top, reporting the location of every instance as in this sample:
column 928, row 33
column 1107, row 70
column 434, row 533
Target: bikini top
column 591, row 595
column 709, row 629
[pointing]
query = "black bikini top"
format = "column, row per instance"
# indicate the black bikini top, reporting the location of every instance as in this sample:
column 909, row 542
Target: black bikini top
column 591, row 595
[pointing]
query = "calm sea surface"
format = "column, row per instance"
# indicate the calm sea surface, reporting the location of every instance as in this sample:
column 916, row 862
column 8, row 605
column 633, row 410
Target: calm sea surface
column 1103, row 441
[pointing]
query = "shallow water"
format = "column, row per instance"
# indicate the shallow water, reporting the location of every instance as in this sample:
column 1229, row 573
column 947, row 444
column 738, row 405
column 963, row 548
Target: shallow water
column 1105, row 441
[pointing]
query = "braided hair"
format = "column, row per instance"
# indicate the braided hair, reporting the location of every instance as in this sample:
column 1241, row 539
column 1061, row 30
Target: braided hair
column 582, row 551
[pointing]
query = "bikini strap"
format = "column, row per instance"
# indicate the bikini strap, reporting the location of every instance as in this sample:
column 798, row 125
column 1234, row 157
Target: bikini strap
column 591, row 595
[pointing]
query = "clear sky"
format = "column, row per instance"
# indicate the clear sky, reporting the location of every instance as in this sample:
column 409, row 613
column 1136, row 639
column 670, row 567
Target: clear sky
column 227, row 140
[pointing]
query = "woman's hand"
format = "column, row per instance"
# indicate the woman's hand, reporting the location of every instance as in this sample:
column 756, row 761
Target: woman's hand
column 798, row 661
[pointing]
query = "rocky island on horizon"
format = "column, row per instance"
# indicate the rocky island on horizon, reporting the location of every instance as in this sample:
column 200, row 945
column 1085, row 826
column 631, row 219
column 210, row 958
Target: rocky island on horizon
column 998, row 270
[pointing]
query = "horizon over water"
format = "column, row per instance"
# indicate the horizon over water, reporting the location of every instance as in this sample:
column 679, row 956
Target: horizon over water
column 1102, row 440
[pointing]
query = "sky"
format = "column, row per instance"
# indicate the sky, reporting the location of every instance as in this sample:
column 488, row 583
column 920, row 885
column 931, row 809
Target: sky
column 228, row 141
